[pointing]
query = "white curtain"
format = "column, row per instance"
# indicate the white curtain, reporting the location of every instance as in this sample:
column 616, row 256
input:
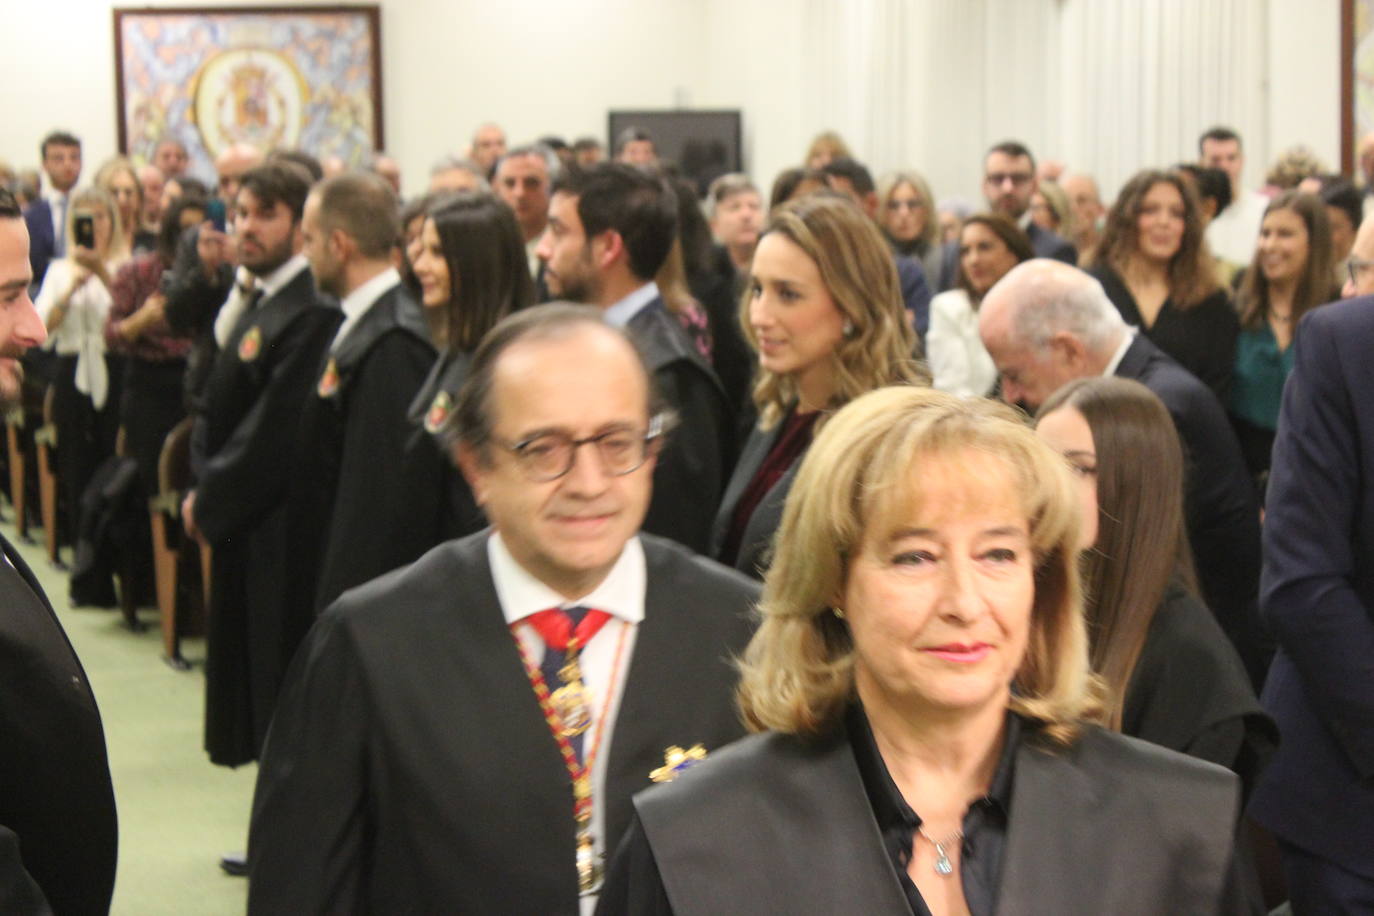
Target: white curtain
column 1108, row 86
column 1142, row 79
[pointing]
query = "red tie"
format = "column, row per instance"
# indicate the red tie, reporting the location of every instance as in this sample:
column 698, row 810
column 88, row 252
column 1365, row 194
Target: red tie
column 557, row 626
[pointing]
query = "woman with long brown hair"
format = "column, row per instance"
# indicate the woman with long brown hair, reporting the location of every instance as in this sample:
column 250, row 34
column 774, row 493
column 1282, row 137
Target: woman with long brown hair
column 1289, row 276
column 824, row 311
column 1173, row 678
column 1156, row 268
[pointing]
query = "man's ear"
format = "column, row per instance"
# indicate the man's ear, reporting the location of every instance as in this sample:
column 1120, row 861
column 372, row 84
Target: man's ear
column 341, row 244
column 607, row 248
column 1069, row 350
column 469, row 462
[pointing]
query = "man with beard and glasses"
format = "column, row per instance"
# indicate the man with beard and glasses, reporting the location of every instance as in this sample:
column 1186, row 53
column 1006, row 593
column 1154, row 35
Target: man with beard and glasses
column 271, row 338
column 360, row 485
column 610, row 229
column 58, row 831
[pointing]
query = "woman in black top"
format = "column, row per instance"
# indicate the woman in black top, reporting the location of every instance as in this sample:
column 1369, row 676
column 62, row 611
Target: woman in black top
column 1174, row 678
column 470, row 266
column 922, row 682
column 1155, row 266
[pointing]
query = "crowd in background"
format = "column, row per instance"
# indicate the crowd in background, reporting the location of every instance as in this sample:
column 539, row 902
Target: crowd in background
column 1146, row 333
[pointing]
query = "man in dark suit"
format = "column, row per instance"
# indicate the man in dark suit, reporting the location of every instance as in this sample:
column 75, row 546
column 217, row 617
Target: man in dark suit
column 1317, row 592
column 1046, row 323
column 361, row 485
column 1009, row 183
column 272, row 338
column 58, row 831
column 419, row 760
column 46, row 217
column 610, row 230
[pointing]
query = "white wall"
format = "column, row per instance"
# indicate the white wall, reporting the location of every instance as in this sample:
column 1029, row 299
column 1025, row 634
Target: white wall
column 924, row 83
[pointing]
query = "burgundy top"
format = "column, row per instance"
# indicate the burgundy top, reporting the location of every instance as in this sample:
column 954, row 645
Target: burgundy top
column 792, row 442
column 133, row 283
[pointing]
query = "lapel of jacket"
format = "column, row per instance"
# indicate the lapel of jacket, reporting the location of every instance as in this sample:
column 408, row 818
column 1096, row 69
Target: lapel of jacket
column 1051, row 856
column 756, row 449
column 1135, row 359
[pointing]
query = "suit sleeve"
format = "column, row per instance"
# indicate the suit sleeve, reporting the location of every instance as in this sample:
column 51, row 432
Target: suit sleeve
column 307, row 836
column 692, row 468
column 246, row 478
column 1223, row 524
column 1308, row 593
column 383, row 486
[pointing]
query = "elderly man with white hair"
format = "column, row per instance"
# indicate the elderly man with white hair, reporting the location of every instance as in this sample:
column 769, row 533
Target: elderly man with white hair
column 1046, row 323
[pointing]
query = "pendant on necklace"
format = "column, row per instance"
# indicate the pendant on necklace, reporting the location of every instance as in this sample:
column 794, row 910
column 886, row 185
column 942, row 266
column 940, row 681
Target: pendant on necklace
column 942, row 863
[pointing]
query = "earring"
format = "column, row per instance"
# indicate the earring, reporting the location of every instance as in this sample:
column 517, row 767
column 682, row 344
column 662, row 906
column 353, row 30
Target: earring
column 848, row 329
column 838, row 612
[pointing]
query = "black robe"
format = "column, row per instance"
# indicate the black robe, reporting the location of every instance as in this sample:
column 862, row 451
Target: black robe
column 454, row 513
column 251, row 410
column 58, row 830
column 695, row 464
column 362, row 489
column 775, row 824
column 410, row 768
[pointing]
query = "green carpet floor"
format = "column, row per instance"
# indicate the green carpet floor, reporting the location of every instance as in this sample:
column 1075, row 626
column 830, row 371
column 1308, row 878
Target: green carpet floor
column 177, row 812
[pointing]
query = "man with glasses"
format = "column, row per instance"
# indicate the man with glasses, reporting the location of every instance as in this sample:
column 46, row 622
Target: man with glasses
column 1009, row 183
column 464, row 735
column 1360, row 265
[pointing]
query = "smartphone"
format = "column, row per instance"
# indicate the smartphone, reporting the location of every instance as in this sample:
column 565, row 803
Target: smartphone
column 214, row 212
column 83, row 228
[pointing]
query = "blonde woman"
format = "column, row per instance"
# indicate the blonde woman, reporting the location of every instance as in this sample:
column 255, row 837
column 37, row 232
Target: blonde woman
column 923, row 686
column 74, row 302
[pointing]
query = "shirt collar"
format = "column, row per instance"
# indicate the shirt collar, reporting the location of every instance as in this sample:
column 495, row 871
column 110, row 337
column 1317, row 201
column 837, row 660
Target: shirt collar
column 52, row 195
column 620, row 594
column 620, row 314
column 273, row 282
column 362, row 298
column 889, row 806
column 1025, row 221
column 1115, row 362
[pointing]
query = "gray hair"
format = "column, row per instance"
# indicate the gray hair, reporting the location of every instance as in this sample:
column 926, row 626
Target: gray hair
column 552, row 163
column 1051, row 297
column 727, row 186
column 449, row 163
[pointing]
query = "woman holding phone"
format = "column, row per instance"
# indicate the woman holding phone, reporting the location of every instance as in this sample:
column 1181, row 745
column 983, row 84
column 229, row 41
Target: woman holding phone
column 73, row 302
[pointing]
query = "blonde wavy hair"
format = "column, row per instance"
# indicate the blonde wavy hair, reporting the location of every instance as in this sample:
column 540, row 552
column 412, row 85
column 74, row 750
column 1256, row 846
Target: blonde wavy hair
column 862, row 475
column 860, row 274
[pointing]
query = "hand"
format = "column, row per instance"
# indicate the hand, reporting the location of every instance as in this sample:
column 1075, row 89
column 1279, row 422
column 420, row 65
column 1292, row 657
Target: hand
column 214, row 249
column 188, row 516
column 88, row 258
column 80, row 276
column 153, row 310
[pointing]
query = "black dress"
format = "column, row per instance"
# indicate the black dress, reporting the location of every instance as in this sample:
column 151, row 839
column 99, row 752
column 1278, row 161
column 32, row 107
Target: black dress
column 1200, row 338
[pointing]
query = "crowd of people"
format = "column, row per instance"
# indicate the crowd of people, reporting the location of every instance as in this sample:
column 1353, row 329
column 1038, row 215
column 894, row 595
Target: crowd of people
column 1028, row 538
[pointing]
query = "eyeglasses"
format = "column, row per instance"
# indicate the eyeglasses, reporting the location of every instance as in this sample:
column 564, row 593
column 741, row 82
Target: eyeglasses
column 1357, row 268
column 1017, row 179
column 548, row 456
column 912, row 204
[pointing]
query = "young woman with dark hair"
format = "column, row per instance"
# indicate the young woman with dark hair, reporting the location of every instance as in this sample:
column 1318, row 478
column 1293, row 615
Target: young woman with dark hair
column 1173, row 678
column 1155, row 267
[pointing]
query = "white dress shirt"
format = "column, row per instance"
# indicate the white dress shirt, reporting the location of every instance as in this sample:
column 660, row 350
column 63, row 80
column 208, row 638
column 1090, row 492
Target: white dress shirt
column 239, row 295
column 619, row 315
column 620, row 594
column 82, row 332
column 356, row 303
column 1115, row 362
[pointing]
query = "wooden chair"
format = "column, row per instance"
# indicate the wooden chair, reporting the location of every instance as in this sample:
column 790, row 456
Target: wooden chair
column 19, row 496
column 45, row 438
column 172, row 550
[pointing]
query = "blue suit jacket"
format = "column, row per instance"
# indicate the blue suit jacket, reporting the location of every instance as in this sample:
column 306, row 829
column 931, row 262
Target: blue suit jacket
column 38, row 219
column 1317, row 591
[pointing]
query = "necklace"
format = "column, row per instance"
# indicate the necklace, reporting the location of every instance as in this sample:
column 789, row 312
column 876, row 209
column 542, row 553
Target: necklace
column 942, row 864
column 1282, row 319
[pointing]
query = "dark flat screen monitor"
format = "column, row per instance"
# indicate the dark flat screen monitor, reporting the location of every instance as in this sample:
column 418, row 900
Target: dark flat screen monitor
column 703, row 144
